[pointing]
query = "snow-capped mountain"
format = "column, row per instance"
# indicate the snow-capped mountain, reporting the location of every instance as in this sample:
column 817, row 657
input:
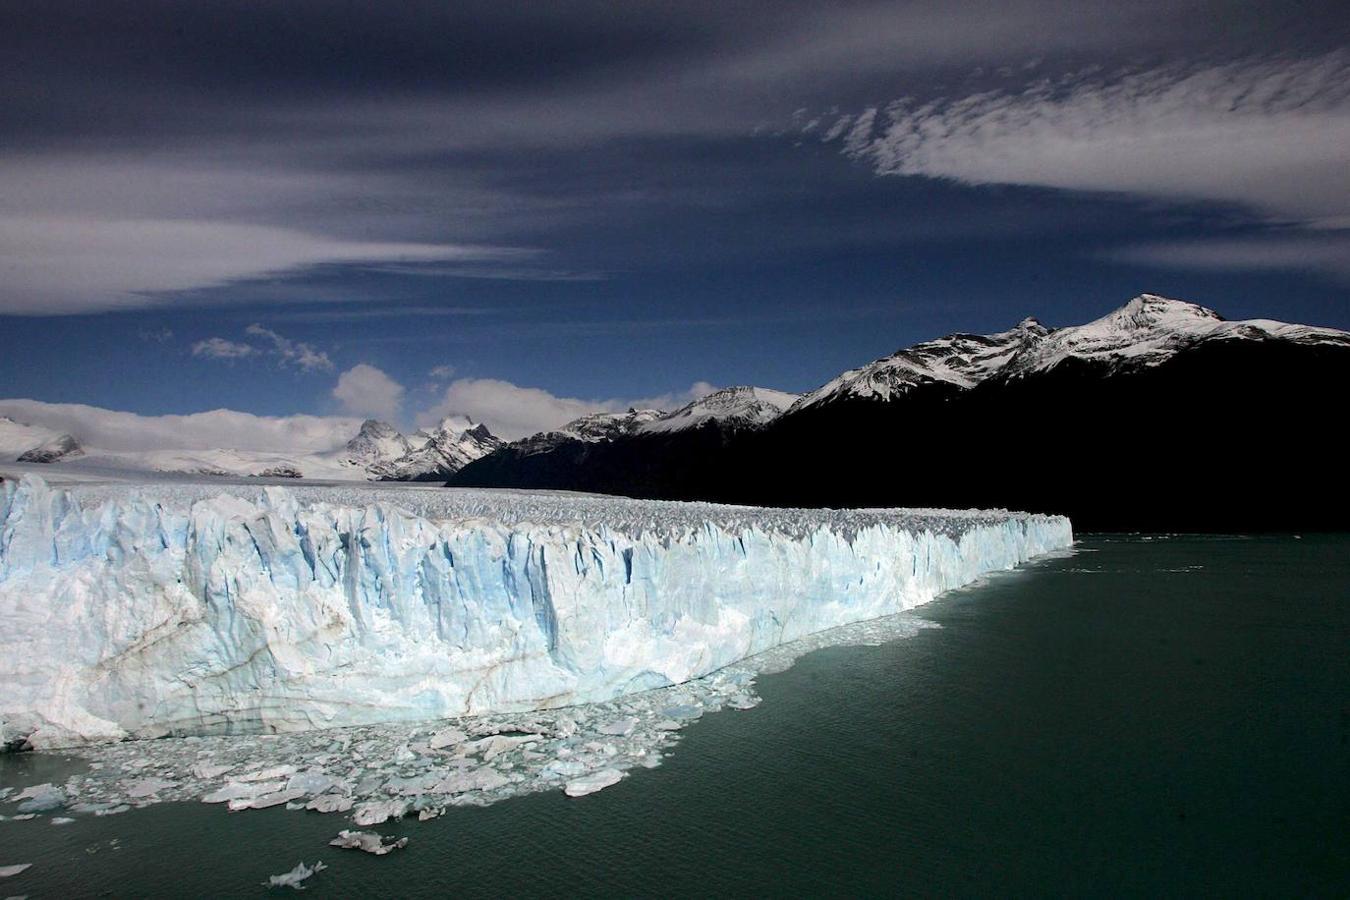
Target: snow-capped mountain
column 376, row 444
column 733, row 407
column 63, row 446
column 1158, row 415
column 607, row 426
column 958, row 360
column 18, row 437
column 377, row 452
column 439, row 452
column 1146, row 331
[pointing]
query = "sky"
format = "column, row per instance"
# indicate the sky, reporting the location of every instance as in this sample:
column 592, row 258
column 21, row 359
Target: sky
column 275, row 219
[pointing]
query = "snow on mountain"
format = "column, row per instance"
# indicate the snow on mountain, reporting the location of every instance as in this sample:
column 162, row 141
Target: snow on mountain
column 1146, row 331
column 376, row 444
column 61, row 447
column 606, row 426
column 17, row 438
column 960, row 360
column 591, row 429
column 377, row 451
column 734, row 407
column 144, row 610
column 1150, row 329
column 440, row 452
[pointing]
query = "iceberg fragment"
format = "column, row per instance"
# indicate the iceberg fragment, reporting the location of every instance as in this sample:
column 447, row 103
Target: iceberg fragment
column 368, row 841
column 294, row 877
column 589, row 784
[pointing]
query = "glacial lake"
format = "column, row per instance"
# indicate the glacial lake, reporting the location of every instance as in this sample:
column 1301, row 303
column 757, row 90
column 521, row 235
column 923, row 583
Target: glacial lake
column 1164, row 715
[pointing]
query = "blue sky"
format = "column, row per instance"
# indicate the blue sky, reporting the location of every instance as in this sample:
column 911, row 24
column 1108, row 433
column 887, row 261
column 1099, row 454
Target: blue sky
column 521, row 214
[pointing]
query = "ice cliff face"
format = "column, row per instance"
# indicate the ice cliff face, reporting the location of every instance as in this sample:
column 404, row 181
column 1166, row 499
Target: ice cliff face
column 150, row 611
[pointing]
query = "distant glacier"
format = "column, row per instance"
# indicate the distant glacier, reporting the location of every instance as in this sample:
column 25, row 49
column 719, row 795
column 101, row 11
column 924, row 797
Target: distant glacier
column 140, row 611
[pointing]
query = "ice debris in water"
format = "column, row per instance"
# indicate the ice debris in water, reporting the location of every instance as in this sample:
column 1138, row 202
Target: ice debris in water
column 294, row 877
column 368, row 841
column 8, row 871
column 380, row 773
column 589, row 784
column 171, row 610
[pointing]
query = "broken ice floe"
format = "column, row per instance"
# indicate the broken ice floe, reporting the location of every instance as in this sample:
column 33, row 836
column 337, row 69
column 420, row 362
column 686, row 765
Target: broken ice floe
column 368, row 841
column 379, row 774
column 294, row 877
column 8, row 871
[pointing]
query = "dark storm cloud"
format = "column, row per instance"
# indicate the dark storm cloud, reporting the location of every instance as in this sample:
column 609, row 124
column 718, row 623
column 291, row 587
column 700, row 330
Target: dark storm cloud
column 152, row 148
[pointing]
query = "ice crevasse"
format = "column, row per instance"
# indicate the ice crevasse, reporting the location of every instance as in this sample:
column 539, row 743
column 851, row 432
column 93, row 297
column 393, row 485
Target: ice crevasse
column 156, row 610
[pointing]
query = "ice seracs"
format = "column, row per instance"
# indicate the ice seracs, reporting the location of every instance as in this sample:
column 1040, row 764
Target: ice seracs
column 184, row 609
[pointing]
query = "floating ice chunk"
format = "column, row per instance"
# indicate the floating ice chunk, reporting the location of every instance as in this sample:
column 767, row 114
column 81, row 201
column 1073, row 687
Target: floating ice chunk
column 293, row 878
column 41, row 798
column 62, row 820
column 495, row 745
column 235, row 790
column 311, row 783
column 564, row 768
column 207, row 772
column 448, row 737
column 682, row 711
column 269, row 774
column 263, row 801
column 621, row 727
column 368, row 841
column 483, row 779
column 380, row 811
column 589, row 784
column 10, row 871
column 330, row 803
column 148, row 787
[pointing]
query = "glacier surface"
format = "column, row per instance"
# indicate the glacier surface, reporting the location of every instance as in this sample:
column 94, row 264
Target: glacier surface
column 143, row 611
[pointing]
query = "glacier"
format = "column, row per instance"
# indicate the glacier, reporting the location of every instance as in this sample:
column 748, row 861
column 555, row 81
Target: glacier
column 141, row 611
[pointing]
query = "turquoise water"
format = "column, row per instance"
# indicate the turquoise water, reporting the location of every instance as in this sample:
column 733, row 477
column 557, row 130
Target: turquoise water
column 1166, row 716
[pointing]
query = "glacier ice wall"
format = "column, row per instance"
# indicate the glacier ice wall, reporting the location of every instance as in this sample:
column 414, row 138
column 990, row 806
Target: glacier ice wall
column 163, row 610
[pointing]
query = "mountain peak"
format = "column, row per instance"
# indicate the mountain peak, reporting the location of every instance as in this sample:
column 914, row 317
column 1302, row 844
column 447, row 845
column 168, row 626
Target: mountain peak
column 1155, row 311
column 738, row 406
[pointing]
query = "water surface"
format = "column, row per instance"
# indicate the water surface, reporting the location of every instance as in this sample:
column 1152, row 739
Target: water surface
column 1149, row 716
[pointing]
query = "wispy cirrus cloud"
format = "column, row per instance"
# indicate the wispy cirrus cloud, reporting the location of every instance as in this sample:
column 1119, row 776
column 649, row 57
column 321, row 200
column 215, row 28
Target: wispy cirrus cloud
column 1270, row 135
column 273, row 346
column 1264, row 138
column 220, row 348
column 58, row 265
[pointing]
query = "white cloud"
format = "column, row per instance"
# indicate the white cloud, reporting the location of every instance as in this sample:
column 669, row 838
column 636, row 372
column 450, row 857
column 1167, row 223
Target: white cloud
column 367, row 391
column 511, row 411
column 1270, row 135
column 1312, row 251
column 113, row 430
column 292, row 352
column 219, row 348
column 68, row 264
column 441, row 372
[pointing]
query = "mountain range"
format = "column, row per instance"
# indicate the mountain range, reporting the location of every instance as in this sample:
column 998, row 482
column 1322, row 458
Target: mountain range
column 1159, row 415
column 378, row 451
